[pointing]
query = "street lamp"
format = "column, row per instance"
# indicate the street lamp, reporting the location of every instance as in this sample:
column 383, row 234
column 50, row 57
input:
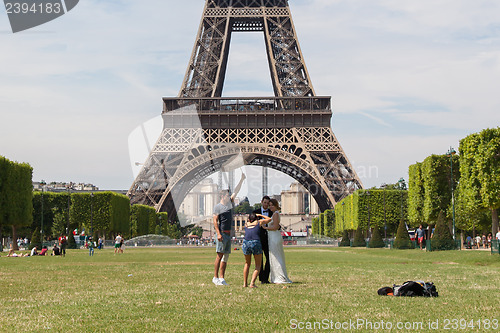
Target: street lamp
column 43, row 183
column 384, row 186
column 450, row 153
column 160, row 225
column 69, row 196
column 367, row 193
column 343, row 214
column 402, row 186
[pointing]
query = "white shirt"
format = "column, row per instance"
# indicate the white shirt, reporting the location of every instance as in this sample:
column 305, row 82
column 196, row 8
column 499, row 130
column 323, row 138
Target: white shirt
column 264, row 212
column 498, row 236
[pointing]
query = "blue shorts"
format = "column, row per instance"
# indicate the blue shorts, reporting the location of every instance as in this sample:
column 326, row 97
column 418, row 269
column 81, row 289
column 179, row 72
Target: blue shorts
column 225, row 245
column 251, row 247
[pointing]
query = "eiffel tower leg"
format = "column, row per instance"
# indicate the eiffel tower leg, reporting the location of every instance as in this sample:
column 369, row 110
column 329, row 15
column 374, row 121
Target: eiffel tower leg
column 288, row 70
column 207, row 68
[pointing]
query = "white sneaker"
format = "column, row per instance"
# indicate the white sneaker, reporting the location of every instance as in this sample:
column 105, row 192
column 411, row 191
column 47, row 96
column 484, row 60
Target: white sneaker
column 223, row 282
column 216, row 281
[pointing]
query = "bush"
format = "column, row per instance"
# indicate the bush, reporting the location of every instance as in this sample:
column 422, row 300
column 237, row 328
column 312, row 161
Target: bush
column 376, row 241
column 442, row 239
column 36, row 239
column 71, row 241
column 345, row 239
column 402, row 240
column 359, row 240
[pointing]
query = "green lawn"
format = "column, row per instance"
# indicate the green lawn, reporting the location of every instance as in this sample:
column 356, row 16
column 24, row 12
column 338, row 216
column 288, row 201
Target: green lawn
column 170, row 289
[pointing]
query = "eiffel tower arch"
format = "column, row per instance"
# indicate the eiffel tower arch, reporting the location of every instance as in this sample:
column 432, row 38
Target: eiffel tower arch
column 204, row 133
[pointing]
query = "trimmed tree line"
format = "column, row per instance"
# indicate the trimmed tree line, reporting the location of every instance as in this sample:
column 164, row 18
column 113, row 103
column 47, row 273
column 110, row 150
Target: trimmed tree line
column 369, row 209
column 15, row 196
column 473, row 176
column 324, row 224
column 100, row 214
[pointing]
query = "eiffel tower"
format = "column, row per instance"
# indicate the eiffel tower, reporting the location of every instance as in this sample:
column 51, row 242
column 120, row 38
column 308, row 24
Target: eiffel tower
column 204, row 133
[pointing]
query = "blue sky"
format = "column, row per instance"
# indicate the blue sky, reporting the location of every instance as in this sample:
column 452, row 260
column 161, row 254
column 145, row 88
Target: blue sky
column 407, row 79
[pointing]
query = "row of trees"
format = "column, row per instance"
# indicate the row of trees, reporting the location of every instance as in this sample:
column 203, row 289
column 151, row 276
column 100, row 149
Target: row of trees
column 102, row 214
column 367, row 209
column 15, row 195
column 324, row 224
column 468, row 183
column 473, row 177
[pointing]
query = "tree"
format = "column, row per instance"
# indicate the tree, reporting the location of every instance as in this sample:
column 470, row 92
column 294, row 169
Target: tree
column 480, row 172
column 71, row 241
column 436, row 175
column 376, row 240
column 328, row 222
column 385, row 209
column 402, row 240
column 140, row 219
column 18, row 203
column 359, row 240
column 244, row 207
column 106, row 213
column 442, row 239
column 345, row 239
column 416, row 194
column 163, row 223
column 4, row 170
column 315, row 226
column 36, row 240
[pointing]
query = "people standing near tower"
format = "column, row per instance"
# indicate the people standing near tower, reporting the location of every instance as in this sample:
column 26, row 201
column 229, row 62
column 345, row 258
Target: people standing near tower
column 63, row 243
column 264, row 268
column 223, row 224
column 118, row 243
column 420, row 236
column 252, row 245
column 278, row 272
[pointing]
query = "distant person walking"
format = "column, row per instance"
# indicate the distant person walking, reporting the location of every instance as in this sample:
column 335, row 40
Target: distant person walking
column 420, row 236
column 118, row 242
column 90, row 244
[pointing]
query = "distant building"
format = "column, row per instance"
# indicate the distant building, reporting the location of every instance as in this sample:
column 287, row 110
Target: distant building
column 298, row 201
column 60, row 187
column 201, row 200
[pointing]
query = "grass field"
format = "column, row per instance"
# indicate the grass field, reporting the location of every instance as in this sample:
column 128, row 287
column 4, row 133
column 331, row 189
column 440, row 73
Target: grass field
column 170, row 290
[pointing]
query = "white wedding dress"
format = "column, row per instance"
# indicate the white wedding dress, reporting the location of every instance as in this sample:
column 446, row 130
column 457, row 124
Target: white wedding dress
column 277, row 264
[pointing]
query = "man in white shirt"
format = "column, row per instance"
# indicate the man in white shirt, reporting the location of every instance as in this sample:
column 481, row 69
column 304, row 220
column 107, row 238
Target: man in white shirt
column 118, row 241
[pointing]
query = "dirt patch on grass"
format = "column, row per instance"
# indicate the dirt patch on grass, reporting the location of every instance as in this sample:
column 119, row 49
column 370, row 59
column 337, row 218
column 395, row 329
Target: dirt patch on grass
column 445, row 263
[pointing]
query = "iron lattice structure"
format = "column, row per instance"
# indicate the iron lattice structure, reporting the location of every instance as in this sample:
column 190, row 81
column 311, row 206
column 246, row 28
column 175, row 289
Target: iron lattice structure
column 204, row 133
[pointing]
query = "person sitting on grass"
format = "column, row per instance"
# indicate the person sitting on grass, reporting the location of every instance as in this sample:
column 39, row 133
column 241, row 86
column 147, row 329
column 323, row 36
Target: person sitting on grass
column 44, row 251
column 252, row 245
column 56, row 251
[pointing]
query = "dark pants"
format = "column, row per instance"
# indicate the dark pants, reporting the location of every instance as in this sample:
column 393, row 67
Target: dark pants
column 264, row 268
column 63, row 250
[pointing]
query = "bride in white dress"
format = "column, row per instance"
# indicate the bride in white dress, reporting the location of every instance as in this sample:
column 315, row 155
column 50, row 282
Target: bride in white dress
column 276, row 252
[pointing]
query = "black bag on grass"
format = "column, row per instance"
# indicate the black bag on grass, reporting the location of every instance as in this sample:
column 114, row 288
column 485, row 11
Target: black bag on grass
column 416, row 288
column 410, row 289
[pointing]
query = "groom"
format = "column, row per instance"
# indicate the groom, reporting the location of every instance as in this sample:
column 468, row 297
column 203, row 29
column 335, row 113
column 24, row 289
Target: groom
column 264, row 268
